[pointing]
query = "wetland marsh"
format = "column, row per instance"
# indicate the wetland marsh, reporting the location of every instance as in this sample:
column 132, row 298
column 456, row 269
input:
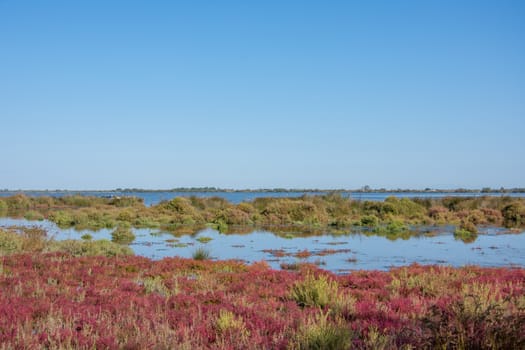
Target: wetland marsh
column 334, row 232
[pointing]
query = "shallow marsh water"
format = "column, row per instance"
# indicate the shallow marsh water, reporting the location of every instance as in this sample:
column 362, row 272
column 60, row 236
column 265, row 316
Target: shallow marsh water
column 337, row 253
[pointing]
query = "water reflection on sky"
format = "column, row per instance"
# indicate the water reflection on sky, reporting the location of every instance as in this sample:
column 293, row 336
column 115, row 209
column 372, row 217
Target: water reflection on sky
column 349, row 252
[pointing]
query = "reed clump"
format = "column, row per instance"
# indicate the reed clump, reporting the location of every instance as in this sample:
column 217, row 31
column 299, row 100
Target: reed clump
column 201, row 254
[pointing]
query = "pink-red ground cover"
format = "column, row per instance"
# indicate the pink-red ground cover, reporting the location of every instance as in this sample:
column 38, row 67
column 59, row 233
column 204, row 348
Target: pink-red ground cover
column 59, row 301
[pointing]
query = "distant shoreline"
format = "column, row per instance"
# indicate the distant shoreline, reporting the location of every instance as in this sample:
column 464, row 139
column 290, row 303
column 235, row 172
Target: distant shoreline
column 277, row 190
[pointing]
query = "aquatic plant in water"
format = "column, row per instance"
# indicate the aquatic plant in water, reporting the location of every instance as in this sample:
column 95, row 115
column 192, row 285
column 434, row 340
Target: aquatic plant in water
column 86, row 237
column 466, row 232
column 122, row 235
column 201, row 253
column 204, row 239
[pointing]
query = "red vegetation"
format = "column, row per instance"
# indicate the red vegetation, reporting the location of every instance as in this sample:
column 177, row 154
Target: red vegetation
column 58, row 301
column 278, row 253
column 325, row 252
column 303, row 254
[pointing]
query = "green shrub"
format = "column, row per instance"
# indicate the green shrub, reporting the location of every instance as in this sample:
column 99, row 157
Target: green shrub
column 33, row 215
column 126, row 215
column 467, row 232
column 319, row 333
column 101, row 247
column 3, row 208
column 378, row 341
column 122, row 235
column 468, row 226
column 396, row 226
column 31, row 239
column 17, row 203
column 513, row 215
column 369, row 220
column 179, row 205
column 228, row 322
column 34, row 239
column 62, row 218
column 454, row 203
column 82, row 201
column 405, row 207
column 146, row 222
column 10, row 242
column 315, row 291
column 155, row 284
column 221, row 226
column 233, row 216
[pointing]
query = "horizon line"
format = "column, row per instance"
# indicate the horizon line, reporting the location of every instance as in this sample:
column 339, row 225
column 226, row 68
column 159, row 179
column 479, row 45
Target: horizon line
column 277, row 189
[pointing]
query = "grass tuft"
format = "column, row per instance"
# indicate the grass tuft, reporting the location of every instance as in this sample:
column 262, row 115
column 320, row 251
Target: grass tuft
column 201, row 253
column 314, row 291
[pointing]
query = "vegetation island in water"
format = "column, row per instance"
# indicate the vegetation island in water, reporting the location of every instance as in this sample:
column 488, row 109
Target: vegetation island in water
column 309, row 214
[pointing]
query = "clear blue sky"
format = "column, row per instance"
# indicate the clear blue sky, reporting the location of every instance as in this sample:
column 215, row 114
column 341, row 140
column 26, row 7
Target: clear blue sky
column 248, row 94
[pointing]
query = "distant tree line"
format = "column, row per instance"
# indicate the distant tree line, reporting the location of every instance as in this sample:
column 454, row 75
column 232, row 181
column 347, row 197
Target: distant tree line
column 366, row 189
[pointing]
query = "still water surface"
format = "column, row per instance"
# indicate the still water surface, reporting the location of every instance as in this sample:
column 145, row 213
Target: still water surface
column 493, row 247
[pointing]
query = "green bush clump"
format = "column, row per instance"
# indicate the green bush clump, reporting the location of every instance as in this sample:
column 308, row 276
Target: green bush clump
column 3, row 208
column 369, row 220
column 305, row 210
column 155, row 284
column 221, row 226
column 396, row 226
column 10, row 242
column 33, row 215
column 126, row 215
column 146, row 222
column 320, row 333
column 17, row 203
column 465, row 236
column 393, row 230
column 35, row 240
column 406, row 207
column 178, row 205
column 62, row 218
column 513, row 215
column 81, row 201
column 101, row 247
column 122, row 235
column 467, row 232
column 315, row 291
column 454, row 203
column 31, row 239
column 227, row 323
column 234, row 216
column 468, row 226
